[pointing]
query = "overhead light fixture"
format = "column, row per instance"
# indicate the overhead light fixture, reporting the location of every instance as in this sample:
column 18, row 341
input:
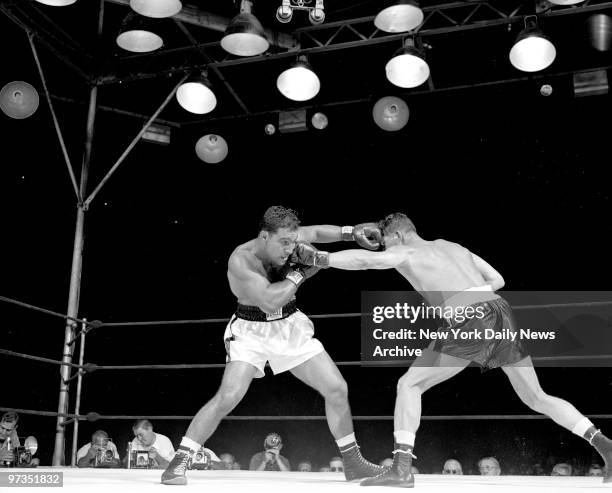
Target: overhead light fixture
column 135, row 35
column 19, row 100
column 196, row 95
column 299, row 83
column 546, row 90
column 156, row 8
column 408, row 67
column 316, row 12
column 244, row 35
column 319, row 121
column 565, row 2
column 532, row 50
column 390, row 113
column 284, row 13
column 57, row 3
column 600, row 31
column 403, row 16
column 211, row 148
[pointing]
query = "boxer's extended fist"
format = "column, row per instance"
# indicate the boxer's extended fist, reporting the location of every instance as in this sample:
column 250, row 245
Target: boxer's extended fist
column 368, row 235
column 306, row 254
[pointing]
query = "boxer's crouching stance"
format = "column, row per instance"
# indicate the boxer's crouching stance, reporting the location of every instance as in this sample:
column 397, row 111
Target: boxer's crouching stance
column 267, row 326
column 448, row 275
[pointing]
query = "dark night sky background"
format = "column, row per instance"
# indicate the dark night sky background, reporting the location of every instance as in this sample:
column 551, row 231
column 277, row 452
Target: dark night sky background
column 520, row 179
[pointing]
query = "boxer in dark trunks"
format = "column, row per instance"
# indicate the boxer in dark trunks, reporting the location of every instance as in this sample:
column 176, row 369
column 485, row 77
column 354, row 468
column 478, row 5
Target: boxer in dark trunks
column 448, row 275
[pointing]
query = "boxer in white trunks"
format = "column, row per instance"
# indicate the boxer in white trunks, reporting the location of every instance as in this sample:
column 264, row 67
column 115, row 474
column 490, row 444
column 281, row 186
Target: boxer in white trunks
column 268, row 327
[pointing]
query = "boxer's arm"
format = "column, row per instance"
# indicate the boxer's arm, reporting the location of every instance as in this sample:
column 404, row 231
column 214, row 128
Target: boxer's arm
column 365, row 259
column 490, row 275
column 268, row 296
column 322, row 233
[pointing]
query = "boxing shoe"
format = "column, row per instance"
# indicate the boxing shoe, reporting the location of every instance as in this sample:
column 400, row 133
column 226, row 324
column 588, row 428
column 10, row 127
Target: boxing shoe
column 399, row 474
column 603, row 445
column 355, row 466
column 175, row 472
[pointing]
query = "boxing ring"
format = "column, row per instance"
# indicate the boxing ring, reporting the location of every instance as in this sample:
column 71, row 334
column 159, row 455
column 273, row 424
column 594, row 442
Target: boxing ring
column 131, row 480
column 147, row 481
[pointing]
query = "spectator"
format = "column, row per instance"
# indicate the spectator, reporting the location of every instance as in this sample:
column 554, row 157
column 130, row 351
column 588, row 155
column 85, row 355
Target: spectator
column 452, row 466
column 227, row 460
column 270, row 458
column 236, row 466
column 159, row 446
column 336, row 464
column 325, row 469
column 538, row 470
column 415, row 470
column 489, row 466
column 100, row 452
column 561, row 469
column 8, row 434
column 305, row 466
column 388, row 462
column 595, row 470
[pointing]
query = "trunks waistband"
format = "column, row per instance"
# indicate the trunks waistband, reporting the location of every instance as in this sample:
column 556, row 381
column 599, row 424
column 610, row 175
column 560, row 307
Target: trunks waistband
column 255, row 314
column 471, row 296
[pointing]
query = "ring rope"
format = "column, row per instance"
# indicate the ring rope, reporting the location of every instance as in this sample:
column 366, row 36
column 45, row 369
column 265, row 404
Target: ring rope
column 98, row 323
column 445, row 417
column 585, row 304
column 39, row 358
column 91, row 367
column 43, row 310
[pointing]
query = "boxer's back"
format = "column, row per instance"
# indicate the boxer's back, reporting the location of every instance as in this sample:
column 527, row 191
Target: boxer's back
column 440, row 266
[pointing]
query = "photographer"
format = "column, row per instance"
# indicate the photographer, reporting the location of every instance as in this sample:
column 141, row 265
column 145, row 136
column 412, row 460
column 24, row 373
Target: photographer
column 158, row 446
column 270, row 459
column 100, row 452
column 8, row 437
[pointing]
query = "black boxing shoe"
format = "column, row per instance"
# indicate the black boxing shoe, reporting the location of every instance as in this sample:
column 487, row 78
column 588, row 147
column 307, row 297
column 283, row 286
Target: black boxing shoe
column 399, row 474
column 175, row 472
column 355, row 466
column 603, row 445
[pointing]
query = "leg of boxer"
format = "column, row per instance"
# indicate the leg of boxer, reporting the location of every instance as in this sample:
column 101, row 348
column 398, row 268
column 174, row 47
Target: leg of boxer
column 321, row 373
column 525, row 382
column 428, row 370
column 236, row 380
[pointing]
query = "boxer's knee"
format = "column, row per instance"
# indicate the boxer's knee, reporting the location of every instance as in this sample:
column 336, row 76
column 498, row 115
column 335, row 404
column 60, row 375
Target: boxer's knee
column 228, row 397
column 336, row 391
column 535, row 399
column 408, row 385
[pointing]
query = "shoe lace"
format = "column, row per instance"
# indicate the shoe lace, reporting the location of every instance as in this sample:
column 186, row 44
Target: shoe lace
column 182, row 465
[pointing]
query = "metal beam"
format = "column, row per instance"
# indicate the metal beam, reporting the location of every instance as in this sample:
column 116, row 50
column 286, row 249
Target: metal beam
column 132, row 144
column 322, row 38
column 191, row 14
column 32, row 31
column 58, row 129
column 118, row 111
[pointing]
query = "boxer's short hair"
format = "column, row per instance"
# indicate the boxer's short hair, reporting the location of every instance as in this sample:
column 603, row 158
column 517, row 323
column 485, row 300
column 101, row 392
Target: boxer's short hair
column 396, row 222
column 277, row 217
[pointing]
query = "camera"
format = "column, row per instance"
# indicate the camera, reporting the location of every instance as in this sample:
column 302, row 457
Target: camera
column 140, row 459
column 200, row 460
column 22, row 456
column 104, row 457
